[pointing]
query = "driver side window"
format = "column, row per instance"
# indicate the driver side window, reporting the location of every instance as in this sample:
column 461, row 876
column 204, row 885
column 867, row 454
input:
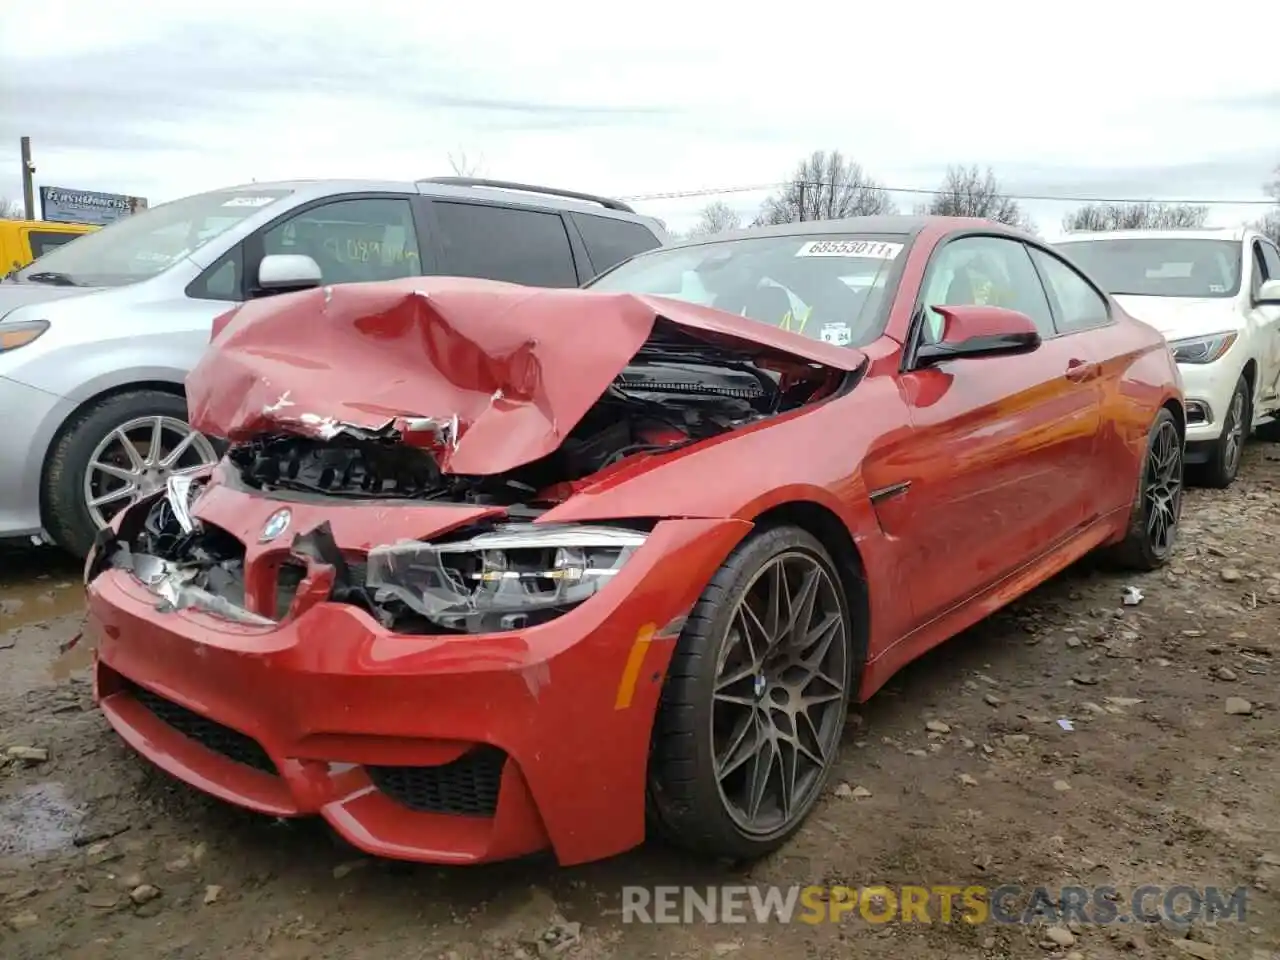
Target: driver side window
column 986, row 271
column 363, row 239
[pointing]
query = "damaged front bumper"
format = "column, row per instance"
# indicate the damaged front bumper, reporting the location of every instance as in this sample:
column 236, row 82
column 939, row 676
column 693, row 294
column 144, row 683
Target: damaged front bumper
column 447, row 747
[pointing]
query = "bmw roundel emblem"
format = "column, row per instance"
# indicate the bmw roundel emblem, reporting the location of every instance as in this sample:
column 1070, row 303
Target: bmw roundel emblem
column 276, row 524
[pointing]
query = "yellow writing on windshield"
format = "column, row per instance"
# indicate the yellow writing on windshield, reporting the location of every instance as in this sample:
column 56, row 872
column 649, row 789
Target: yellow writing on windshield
column 360, row 250
column 790, row 323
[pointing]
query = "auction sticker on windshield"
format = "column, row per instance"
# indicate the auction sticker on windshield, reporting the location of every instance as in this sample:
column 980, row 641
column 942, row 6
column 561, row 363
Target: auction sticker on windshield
column 869, row 249
column 249, row 201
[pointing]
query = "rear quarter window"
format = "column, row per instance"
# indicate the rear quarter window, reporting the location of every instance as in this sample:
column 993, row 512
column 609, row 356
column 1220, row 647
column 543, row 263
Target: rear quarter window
column 611, row 241
column 512, row 244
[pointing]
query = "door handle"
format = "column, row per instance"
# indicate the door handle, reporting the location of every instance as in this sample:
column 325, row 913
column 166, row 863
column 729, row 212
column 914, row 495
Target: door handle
column 1079, row 371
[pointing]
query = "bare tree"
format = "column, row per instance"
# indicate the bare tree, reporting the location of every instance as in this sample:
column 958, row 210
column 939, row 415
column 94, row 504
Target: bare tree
column 716, row 217
column 1134, row 216
column 1270, row 222
column 10, row 209
column 1270, row 225
column 826, row 186
column 970, row 192
column 464, row 166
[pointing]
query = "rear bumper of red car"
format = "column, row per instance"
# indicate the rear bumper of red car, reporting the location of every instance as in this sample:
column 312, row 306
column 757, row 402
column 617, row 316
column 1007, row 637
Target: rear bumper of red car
column 442, row 749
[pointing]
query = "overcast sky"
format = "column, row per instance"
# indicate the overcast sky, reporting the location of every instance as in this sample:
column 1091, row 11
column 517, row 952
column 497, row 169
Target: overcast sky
column 1121, row 99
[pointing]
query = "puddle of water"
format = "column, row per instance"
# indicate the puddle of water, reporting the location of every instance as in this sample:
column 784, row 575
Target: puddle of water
column 38, row 820
column 37, row 583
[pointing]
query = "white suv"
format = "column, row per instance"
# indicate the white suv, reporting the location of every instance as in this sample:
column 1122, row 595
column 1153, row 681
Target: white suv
column 1215, row 295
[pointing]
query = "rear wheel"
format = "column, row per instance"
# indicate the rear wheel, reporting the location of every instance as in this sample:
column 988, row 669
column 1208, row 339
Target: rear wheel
column 1224, row 460
column 754, row 704
column 1157, row 507
column 113, row 454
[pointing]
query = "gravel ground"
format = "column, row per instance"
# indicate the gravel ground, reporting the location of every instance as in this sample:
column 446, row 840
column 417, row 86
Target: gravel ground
column 1158, row 781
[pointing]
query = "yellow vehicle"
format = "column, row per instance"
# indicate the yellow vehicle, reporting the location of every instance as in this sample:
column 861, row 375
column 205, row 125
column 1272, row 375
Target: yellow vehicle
column 22, row 241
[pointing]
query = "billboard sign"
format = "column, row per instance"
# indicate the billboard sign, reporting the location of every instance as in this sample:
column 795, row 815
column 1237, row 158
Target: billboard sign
column 60, row 205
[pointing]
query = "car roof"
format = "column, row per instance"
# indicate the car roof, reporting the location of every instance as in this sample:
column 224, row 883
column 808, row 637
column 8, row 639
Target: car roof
column 1236, row 234
column 463, row 188
column 905, row 226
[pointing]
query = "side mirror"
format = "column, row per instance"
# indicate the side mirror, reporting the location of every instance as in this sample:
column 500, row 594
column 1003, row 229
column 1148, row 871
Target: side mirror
column 283, row 272
column 1269, row 293
column 979, row 331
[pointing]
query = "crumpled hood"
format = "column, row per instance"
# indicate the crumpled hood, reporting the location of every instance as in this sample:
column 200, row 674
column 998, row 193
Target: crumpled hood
column 1178, row 317
column 490, row 375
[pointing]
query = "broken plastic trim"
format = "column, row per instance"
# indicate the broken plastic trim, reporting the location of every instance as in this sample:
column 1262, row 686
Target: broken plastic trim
column 180, row 497
column 441, row 433
column 515, row 576
column 172, row 584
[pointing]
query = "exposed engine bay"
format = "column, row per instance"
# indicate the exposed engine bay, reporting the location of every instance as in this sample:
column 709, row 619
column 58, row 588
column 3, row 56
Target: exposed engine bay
column 667, row 398
column 503, row 574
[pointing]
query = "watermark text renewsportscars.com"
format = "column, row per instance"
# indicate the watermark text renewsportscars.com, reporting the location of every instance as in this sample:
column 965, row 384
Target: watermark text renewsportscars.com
column 1007, row 904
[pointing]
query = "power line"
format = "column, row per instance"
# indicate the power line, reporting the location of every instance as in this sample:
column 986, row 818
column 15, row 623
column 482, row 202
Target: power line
column 757, row 188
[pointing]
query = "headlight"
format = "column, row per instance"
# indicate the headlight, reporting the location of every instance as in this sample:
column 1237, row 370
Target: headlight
column 15, row 335
column 517, row 575
column 1202, row 349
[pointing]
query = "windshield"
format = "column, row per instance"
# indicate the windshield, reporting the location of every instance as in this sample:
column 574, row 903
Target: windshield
column 835, row 288
column 145, row 244
column 1155, row 267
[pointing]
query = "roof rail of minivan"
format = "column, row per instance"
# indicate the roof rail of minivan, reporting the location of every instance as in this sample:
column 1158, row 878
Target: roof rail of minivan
column 529, row 188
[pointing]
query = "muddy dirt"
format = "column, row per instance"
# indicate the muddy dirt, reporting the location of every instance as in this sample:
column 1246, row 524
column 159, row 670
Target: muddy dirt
column 1155, row 782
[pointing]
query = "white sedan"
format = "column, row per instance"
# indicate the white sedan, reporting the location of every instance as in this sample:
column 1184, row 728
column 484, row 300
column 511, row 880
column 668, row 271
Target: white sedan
column 1215, row 295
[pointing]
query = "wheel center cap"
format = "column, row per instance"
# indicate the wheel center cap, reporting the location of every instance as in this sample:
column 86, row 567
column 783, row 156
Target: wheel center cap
column 760, row 685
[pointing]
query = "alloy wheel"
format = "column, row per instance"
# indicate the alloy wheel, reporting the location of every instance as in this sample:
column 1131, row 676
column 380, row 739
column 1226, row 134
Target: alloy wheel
column 1233, row 439
column 780, row 694
column 1162, row 489
column 136, row 460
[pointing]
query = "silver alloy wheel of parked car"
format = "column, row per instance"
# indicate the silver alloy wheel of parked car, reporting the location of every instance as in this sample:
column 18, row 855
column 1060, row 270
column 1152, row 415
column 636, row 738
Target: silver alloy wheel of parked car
column 1234, row 438
column 136, row 459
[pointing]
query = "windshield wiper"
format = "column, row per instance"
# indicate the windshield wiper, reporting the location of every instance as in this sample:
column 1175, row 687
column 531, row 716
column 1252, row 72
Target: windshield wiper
column 51, row 277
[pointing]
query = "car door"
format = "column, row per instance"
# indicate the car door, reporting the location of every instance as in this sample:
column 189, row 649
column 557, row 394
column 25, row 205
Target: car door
column 1083, row 321
column 493, row 241
column 1002, row 445
column 353, row 237
column 1265, row 319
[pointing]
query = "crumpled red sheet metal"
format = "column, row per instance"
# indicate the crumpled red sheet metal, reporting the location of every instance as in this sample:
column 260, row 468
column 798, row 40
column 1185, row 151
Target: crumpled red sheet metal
column 517, row 367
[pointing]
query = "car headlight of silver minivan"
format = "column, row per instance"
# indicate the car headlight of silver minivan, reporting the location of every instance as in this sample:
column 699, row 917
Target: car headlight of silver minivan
column 15, row 334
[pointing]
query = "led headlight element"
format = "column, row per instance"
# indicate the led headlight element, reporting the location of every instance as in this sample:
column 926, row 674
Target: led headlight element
column 1202, row 349
column 514, row 576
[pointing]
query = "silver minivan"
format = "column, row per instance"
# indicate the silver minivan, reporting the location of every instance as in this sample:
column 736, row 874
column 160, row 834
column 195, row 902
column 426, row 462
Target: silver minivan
column 97, row 336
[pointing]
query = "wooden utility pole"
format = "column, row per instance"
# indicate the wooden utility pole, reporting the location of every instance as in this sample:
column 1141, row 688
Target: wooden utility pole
column 28, row 180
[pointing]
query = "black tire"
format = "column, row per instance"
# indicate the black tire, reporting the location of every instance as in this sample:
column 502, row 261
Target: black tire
column 1224, row 463
column 685, row 804
column 1139, row 549
column 66, row 515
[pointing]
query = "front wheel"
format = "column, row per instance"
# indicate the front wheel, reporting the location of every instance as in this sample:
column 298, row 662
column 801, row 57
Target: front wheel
column 1157, row 506
column 1224, row 460
column 753, row 708
column 111, row 455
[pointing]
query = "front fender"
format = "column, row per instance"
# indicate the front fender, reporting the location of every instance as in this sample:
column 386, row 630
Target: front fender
column 810, row 456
